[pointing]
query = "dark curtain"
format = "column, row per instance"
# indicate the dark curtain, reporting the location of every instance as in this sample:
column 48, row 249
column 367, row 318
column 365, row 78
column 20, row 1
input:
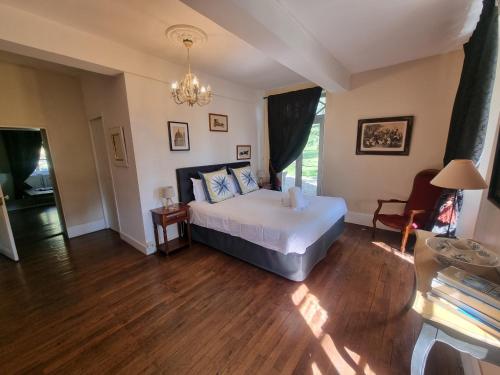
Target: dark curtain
column 23, row 150
column 470, row 115
column 290, row 117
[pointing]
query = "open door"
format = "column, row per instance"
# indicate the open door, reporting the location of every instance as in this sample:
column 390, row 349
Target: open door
column 7, row 244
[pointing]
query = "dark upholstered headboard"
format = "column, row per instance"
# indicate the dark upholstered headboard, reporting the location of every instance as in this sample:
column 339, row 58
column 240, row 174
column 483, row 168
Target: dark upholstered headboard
column 184, row 175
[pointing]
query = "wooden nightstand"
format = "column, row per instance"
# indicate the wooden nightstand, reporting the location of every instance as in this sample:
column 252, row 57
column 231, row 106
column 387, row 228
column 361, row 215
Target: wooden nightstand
column 177, row 214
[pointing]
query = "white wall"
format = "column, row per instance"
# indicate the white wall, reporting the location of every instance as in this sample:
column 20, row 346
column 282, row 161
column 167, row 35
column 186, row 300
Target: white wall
column 425, row 89
column 147, row 95
column 106, row 97
column 151, row 107
column 32, row 98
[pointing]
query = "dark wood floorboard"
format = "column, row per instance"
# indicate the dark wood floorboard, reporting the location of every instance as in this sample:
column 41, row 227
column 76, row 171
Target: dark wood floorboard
column 95, row 305
column 34, row 224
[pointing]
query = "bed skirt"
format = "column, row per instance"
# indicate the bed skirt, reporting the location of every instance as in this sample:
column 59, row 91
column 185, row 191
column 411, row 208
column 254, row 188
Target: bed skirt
column 293, row 266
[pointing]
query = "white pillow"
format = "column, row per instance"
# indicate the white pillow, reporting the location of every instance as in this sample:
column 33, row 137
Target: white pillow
column 198, row 190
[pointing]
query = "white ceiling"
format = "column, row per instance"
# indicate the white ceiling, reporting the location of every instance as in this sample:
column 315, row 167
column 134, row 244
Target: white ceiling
column 359, row 34
column 141, row 24
column 369, row 34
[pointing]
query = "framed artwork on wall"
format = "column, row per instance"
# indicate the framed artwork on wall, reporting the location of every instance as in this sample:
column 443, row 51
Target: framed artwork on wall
column 243, row 152
column 178, row 135
column 117, row 139
column 494, row 191
column 217, row 123
column 384, row 136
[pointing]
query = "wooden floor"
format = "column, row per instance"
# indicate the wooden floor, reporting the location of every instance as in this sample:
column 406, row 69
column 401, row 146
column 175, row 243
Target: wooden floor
column 95, row 305
column 34, row 224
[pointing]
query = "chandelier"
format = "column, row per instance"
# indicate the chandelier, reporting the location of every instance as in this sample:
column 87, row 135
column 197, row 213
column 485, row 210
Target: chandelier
column 189, row 90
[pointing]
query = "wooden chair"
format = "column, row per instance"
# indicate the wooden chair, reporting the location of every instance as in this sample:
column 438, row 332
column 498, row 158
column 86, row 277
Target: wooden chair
column 418, row 208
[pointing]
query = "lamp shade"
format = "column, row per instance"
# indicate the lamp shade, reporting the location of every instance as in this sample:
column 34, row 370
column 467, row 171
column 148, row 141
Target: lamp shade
column 169, row 192
column 460, row 174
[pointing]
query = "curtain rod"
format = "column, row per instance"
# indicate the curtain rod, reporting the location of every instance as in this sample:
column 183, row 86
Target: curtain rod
column 322, row 92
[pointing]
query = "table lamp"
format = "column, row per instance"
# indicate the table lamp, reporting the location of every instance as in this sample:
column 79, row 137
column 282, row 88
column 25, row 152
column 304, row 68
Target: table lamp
column 168, row 194
column 459, row 174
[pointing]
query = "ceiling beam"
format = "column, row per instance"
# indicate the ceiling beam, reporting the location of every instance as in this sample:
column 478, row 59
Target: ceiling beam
column 270, row 27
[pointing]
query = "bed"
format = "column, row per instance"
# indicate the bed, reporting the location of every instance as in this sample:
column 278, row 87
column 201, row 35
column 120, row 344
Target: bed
column 256, row 228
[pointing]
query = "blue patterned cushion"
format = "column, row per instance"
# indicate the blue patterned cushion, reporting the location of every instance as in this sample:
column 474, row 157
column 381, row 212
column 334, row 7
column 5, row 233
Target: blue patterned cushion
column 245, row 179
column 216, row 185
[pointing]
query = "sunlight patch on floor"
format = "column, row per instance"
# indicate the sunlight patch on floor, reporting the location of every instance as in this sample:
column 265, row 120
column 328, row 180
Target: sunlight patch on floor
column 315, row 369
column 406, row 257
column 315, row 317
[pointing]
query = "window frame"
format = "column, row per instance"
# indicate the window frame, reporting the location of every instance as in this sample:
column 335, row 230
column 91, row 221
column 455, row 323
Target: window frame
column 38, row 171
column 318, row 119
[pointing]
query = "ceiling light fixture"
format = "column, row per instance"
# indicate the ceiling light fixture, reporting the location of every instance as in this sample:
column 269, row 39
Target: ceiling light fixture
column 189, row 90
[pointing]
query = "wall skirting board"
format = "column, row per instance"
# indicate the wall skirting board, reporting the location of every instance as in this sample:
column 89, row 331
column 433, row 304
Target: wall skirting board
column 365, row 219
column 146, row 249
column 81, row 229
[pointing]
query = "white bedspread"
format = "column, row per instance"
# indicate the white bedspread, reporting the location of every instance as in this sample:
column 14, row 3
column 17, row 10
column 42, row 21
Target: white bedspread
column 260, row 218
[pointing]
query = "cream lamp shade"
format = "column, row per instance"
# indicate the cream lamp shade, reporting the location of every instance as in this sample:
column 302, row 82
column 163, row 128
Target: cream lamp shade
column 460, row 174
column 169, row 192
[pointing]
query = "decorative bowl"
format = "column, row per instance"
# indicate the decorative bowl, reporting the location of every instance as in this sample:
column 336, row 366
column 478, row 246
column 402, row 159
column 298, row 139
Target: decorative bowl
column 466, row 254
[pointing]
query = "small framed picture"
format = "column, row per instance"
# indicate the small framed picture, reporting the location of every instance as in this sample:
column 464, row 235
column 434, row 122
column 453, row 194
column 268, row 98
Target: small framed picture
column 217, row 123
column 178, row 134
column 384, row 136
column 118, row 146
column 243, row 152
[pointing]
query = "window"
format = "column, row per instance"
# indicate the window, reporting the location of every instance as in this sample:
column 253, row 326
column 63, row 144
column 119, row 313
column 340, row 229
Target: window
column 43, row 166
column 305, row 171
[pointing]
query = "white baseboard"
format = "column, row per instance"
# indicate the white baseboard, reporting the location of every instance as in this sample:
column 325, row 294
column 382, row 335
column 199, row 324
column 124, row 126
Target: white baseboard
column 81, row 229
column 146, row 249
column 365, row 219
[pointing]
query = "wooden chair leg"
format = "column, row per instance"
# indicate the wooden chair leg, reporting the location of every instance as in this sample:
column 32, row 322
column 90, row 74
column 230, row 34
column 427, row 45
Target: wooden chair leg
column 404, row 239
column 374, row 221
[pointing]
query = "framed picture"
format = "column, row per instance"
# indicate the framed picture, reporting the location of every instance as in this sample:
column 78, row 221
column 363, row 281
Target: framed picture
column 243, row 152
column 494, row 191
column 118, row 146
column 178, row 134
column 384, row 136
column 217, row 123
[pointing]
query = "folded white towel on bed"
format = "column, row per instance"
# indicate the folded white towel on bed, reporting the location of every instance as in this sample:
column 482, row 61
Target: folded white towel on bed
column 297, row 200
column 285, row 200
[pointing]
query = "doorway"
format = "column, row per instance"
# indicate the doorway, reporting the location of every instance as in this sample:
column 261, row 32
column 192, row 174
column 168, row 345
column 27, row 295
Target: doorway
column 30, row 200
column 104, row 176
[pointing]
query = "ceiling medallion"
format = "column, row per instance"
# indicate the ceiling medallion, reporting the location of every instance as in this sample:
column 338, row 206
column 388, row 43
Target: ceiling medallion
column 189, row 89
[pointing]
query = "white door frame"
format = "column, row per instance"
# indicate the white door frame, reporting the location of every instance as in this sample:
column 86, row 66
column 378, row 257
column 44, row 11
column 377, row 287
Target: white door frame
column 99, row 181
column 55, row 185
column 52, row 170
column 10, row 251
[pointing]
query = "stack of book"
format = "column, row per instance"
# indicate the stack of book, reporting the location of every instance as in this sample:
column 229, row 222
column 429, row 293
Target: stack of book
column 471, row 296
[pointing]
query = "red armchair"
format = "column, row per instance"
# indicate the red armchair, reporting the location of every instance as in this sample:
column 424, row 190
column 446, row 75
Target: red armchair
column 418, row 208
